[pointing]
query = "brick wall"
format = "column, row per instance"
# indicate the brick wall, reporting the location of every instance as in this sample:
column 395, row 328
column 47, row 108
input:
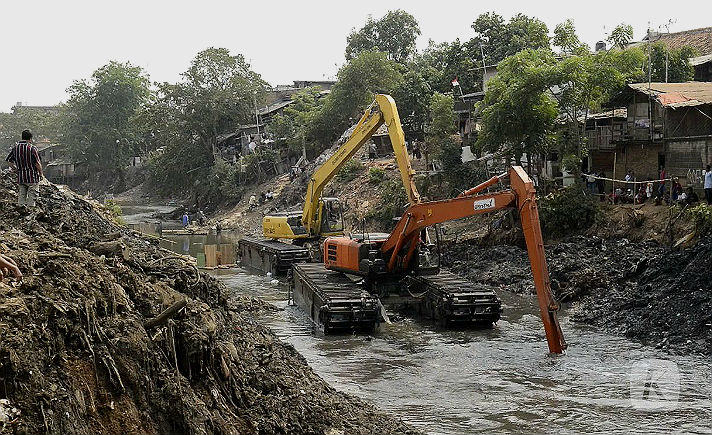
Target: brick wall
column 685, row 155
column 642, row 160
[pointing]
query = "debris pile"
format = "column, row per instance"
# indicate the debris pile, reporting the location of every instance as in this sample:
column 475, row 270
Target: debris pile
column 643, row 290
column 107, row 333
column 665, row 299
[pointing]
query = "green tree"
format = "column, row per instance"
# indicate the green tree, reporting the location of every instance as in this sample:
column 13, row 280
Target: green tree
column 518, row 112
column 412, row 98
column 99, row 119
column 677, row 62
column 395, row 34
column 581, row 83
column 440, row 63
column 621, row 36
column 566, row 39
column 367, row 74
column 218, row 92
column 502, row 39
column 44, row 124
column 291, row 128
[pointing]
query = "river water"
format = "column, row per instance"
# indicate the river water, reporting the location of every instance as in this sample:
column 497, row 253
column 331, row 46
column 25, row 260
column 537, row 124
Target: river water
column 500, row 380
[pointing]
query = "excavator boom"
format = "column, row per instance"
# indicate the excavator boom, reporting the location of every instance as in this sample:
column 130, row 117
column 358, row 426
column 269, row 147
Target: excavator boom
column 383, row 110
column 314, row 221
column 399, row 248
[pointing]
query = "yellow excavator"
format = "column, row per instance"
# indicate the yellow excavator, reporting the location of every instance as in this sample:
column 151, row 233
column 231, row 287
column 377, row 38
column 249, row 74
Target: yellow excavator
column 322, row 217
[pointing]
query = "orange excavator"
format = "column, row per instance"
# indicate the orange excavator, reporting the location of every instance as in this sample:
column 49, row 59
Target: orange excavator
column 399, row 255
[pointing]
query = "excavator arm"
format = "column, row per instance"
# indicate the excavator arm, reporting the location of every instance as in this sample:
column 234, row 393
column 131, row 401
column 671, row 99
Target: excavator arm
column 403, row 241
column 383, row 110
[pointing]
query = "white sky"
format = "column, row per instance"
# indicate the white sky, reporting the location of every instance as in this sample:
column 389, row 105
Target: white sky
column 48, row 44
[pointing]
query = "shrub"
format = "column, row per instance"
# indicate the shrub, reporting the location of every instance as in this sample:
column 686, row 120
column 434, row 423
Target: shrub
column 114, row 210
column 350, row 171
column 376, row 175
column 702, row 217
column 393, row 202
column 567, row 211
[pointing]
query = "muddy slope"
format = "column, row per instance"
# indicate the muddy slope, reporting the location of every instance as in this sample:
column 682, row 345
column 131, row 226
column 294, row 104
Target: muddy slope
column 76, row 355
column 664, row 300
column 647, row 292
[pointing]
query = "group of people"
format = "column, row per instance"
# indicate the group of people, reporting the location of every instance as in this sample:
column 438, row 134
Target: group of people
column 595, row 183
column 647, row 191
column 264, row 197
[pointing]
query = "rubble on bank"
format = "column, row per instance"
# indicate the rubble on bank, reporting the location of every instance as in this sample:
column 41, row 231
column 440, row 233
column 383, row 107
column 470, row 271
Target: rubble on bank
column 85, row 348
column 643, row 290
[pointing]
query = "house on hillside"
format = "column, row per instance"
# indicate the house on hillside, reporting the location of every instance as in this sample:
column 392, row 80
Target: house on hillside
column 666, row 124
column 603, row 131
column 58, row 166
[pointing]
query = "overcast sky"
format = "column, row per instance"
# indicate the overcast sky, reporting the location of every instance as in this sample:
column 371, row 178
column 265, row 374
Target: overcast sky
column 48, row 44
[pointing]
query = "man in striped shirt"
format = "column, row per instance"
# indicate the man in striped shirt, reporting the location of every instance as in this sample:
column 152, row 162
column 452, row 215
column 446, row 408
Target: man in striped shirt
column 25, row 160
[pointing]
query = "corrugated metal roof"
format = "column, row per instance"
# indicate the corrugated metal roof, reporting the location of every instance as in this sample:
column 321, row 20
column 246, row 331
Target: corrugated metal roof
column 677, row 94
column 694, row 61
column 615, row 113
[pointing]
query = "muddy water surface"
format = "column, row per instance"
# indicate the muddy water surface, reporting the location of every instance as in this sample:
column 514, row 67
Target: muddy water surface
column 499, row 380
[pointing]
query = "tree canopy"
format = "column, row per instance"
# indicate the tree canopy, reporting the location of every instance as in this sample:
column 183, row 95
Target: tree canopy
column 99, row 121
column 394, row 34
column 369, row 73
column 502, row 39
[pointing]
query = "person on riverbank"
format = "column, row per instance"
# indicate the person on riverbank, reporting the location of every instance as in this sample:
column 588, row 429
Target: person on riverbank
column 9, row 267
column 708, row 185
column 25, row 160
column 676, row 189
column 691, row 197
column 185, row 220
column 591, row 182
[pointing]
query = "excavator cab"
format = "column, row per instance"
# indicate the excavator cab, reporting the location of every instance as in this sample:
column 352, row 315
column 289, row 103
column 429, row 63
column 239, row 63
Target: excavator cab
column 331, row 217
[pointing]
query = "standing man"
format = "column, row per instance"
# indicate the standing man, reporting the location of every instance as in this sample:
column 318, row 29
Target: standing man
column 708, row 185
column 25, row 160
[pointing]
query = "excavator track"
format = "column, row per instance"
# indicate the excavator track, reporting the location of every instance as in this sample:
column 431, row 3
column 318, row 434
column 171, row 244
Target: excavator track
column 451, row 300
column 270, row 256
column 334, row 302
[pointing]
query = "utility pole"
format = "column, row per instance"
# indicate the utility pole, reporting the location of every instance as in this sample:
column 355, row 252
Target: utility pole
column 667, row 27
column 257, row 118
column 650, row 98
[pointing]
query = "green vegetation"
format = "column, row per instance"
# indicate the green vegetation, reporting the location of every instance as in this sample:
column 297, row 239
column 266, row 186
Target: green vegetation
column 114, row 210
column 350, row 171
column 376, row 175
column 567, row 211
column 702, row 217
column 100, row 122
column 393, row 203
column 394, row 34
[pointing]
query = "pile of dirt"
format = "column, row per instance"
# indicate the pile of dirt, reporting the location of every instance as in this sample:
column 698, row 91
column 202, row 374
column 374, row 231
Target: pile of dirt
column 85, row 350
column 640, row 289
column 665, row 300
